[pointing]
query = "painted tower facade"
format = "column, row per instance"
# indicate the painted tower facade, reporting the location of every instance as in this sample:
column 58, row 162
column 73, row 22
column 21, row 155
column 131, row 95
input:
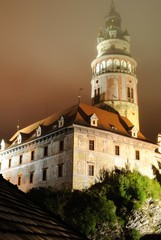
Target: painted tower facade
column 114, row 79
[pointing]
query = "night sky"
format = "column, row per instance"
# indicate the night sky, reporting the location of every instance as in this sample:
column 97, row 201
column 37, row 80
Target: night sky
column 47, row 46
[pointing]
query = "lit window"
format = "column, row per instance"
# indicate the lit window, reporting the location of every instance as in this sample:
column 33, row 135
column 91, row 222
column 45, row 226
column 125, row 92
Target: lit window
column 19, row 180
column 20, row 159
column 91, row 170
column 32, row 155
column 117, row 150
column 31, row 177
column 137, row 155
column 45, row 151
column 91, row 145
column 9, row 163
column 61, row 146
column 44, row 174
column 60, row 170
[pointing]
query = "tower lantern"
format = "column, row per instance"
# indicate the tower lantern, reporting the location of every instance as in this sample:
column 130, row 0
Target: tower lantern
column 114, row 81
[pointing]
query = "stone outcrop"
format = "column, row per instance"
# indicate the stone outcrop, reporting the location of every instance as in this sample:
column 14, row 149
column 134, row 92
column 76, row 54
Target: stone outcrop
column 146, row 220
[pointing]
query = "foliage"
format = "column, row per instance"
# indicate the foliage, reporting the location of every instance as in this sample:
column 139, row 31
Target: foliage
column 130, row 189
column 108, row 202
column 50, row 199
column 85, row 210
column 134, row 235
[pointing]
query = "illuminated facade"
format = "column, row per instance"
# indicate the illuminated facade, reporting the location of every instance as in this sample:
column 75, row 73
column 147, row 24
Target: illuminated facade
column 69, row 149
column 114, row 79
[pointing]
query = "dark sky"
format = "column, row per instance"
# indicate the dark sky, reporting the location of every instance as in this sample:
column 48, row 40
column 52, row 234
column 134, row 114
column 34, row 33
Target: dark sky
column 47, row 46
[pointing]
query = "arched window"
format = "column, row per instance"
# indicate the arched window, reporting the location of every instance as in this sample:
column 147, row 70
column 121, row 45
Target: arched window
column 123, row 65
column 97, row 68
column 109, row 65
column 103, row 65
column 129, row 67
column 116, row 64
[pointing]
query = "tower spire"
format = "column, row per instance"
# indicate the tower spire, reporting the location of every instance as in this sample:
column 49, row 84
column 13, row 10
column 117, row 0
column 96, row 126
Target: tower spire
column 112, row 6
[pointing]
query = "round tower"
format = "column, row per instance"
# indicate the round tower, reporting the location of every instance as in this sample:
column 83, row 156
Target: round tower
column 114, row 79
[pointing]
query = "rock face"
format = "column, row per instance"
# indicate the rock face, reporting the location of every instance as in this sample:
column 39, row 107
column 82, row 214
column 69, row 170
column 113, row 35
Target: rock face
column 146, row 220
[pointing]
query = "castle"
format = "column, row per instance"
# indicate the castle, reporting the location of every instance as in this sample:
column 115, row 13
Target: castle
column 69, row 149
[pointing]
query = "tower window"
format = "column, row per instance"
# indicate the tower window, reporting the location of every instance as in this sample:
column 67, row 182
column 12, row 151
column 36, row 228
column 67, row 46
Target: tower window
column 130, row 94
column 117, row 150
column 91, row 145
column 137, row 155
column 91, row 170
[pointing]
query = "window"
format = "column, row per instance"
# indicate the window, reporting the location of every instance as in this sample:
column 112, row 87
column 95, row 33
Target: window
column 61, row 122
column 97, row 95
column 45, row 151
column 20, row 159
column 117, row 150
column 91, row 170
column 130, row 94
column 61, row 146
column 38, row 131
column 31, row 177
column 19, row 180
column 44, row 174
column 91, row 145
column 137, row 155
column 32, row 155
column 19, row 138
column 94, row 120
column 9, row 163
column 60, row 170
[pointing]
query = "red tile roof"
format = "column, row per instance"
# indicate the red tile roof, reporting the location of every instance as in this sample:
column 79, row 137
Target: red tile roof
column 80, row 114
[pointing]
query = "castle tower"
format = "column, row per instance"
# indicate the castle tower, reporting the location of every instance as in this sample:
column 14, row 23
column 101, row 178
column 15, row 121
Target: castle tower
column 114, row 79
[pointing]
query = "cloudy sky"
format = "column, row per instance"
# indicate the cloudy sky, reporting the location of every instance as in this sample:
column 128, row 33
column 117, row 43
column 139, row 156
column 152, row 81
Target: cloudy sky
column 47, row 46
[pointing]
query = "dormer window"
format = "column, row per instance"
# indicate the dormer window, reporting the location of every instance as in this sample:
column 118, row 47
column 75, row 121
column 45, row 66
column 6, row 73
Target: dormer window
column 134, row 132
column 3, row 145
column 61, row 122
column 19, row 138
column 94, row 120
column 38, row 131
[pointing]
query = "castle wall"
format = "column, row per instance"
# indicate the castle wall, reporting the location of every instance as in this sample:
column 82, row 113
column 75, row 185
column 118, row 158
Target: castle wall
column 55, row 166
column 104, row 156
